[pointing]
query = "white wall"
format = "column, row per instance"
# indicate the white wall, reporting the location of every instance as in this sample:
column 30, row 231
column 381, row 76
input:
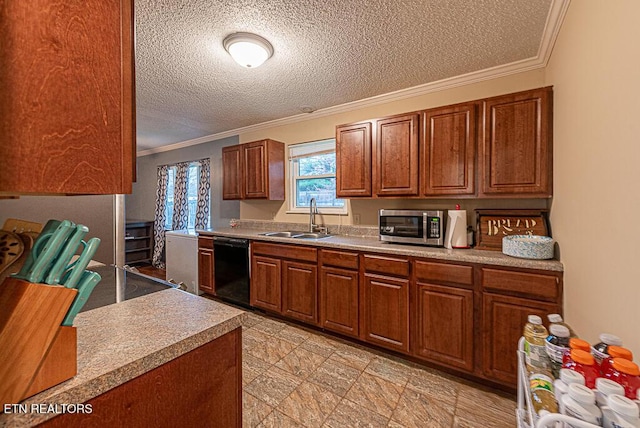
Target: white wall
column 595, row 71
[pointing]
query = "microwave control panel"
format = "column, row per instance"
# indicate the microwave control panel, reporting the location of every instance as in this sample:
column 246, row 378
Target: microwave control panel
column 433, row 227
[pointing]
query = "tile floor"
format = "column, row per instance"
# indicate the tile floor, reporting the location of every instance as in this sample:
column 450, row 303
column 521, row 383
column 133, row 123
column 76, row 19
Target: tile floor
column 294, row 377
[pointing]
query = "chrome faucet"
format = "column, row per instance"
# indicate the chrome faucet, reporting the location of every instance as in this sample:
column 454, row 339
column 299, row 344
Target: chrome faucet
column 313, row 210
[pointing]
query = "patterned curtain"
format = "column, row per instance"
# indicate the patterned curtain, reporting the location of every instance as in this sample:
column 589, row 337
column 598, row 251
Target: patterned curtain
column 204, row 187
column 158, row 225
column 180, row 202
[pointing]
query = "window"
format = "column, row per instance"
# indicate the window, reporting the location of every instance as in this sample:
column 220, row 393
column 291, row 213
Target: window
column 312, row 174
column 193, row 174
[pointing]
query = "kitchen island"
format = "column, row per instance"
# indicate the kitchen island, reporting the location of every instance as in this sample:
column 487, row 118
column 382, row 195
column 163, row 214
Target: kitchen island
column 165, row 358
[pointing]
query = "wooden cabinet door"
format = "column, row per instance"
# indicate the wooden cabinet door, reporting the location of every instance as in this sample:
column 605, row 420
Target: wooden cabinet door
column 443, row 320
column 339, row 300
column 266, row 283
column 232, row 172
column 300, row 290
column 448, row 150
column 205, row 270
column 385, row 311
column 503, row 320
column 517, row 147
column 67, row 104
column 395, row 170
column 256, row 174
column 353, row 160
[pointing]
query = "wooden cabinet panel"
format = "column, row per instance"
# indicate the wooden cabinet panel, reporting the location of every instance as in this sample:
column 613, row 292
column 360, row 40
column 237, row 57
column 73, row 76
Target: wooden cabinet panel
column 300, row 291
column 196, row 384
column 294, row 252
column 517, row 147
column 448, row 150
column 503, row 319
column 395, row 171
column 443, row 322
column 353, row 160
column 534, row 285
column 232, row 172
column 256, row 173
column 266, row 283
column 205, row 270
column 339, row 300
column 385, row 311
column 386, row 265
column 339, row 258
column 444, row 272
column 67, row 108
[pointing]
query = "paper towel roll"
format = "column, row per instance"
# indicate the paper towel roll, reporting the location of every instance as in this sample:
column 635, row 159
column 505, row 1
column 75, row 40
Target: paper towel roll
column 456, row 236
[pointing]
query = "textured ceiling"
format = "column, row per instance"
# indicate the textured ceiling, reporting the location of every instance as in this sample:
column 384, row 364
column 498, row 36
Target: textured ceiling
column 326, row 53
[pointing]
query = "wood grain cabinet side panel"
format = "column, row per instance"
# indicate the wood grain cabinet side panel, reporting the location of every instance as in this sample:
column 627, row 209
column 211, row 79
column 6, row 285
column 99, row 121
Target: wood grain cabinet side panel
column 396, row 163
column 67, row 117
column 353, row 160
column 443, row 319
column 517, row 149
column 448, row 150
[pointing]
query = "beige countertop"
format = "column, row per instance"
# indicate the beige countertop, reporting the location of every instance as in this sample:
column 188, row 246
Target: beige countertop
column 119, row 342
column 372, row 244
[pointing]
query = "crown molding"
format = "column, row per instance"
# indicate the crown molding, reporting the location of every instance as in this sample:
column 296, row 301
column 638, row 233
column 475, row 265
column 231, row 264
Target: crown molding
column 557, row 12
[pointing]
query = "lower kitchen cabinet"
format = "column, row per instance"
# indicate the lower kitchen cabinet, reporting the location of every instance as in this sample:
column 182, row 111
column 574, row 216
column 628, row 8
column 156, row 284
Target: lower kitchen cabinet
column 284, row 280
column 300, row 288
column 266, row 283
column 205, row 264
column 443, row 319
column 339, row 300
column 385, row 311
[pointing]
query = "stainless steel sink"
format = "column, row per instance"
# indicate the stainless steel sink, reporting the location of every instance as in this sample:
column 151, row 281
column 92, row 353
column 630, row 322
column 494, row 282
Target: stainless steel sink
column 282, row 234
column 309, row 235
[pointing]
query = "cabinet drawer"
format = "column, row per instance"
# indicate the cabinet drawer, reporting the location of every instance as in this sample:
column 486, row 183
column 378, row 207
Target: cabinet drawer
column 544, row 287
column 339, row 259
column 386, row 265
column 294, row 252
column 442, row 272
column 205, row 242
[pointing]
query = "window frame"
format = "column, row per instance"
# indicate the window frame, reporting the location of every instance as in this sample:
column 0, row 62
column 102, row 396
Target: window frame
column 306, row 150
column 172, row 167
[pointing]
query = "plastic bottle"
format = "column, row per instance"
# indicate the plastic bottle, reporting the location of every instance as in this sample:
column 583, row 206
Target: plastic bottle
column 580, row 403
column 557, row 344
column 627, row 374
column 620, row 412
column 575, row 343
column 600, row 349
column 542, row 391
column 606, row 388
column 615, row 352
column 557, row 319
column 566, row 378
column 535, row 335
column 583, row 363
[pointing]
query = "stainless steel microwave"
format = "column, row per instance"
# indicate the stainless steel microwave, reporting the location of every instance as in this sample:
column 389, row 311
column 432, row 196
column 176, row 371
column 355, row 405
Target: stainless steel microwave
column 412, row 227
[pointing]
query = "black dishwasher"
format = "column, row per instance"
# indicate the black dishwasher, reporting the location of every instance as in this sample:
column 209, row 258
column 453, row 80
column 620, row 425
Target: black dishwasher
column 231, row 269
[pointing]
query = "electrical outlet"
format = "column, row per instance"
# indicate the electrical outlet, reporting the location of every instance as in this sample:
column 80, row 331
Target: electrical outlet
column 356, row 219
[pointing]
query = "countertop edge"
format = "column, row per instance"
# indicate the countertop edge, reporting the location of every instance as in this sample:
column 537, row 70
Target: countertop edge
column 368, row 244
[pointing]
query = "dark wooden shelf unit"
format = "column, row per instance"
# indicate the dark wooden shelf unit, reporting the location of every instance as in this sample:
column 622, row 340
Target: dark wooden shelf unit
column 138, row 242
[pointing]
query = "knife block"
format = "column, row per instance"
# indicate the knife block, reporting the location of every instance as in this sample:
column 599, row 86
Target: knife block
column 37, row 352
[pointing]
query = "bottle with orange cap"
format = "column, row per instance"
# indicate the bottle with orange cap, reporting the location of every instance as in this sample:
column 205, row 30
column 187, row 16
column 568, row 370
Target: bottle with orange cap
column 575, row 343
column 584, row 363
column 627, row 374
column 615, row 352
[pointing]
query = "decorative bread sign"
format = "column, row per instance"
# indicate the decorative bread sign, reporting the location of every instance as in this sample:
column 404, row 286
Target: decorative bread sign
column 493, row 225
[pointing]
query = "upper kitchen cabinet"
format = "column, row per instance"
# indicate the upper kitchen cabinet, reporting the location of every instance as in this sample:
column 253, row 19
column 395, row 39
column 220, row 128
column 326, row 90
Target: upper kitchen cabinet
column 516, row 152
column 353, row 160
column 67, row 120
column 395, row 171
column 448, row 150
column 254, row 171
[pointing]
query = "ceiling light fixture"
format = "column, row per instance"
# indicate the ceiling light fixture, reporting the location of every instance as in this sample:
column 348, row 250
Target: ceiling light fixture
column 247, row 49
